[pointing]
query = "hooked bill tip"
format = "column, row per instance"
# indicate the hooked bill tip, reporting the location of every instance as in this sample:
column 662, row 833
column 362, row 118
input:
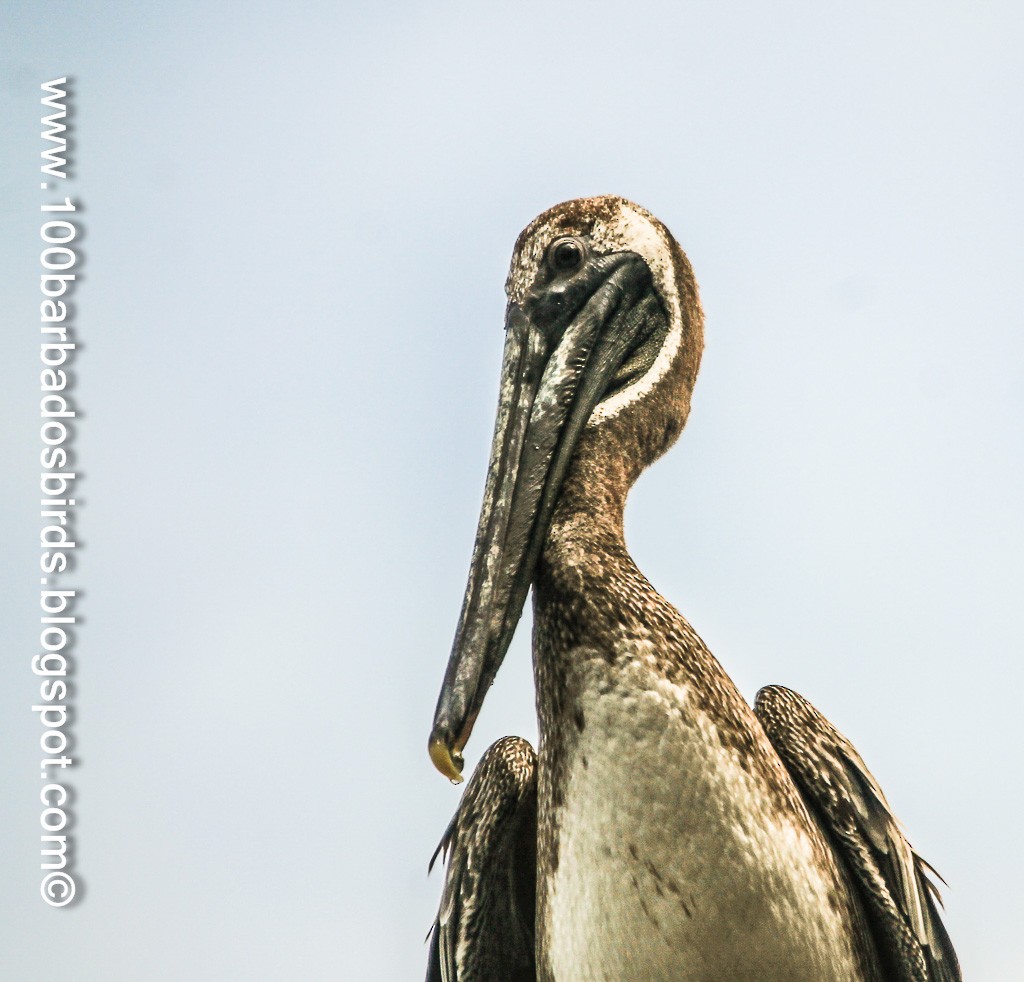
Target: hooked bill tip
column 447, row 760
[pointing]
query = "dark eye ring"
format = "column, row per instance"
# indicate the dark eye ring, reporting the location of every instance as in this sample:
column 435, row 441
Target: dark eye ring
column 566, row 255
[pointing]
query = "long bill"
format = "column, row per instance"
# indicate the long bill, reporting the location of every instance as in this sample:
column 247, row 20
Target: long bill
column 556, row 368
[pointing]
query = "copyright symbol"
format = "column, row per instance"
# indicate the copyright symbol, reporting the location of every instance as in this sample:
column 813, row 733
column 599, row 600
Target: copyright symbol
column 58, row 889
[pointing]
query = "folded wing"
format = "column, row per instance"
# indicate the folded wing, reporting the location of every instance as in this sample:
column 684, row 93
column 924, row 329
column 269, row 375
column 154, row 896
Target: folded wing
column 899, row 896
column 484, row 930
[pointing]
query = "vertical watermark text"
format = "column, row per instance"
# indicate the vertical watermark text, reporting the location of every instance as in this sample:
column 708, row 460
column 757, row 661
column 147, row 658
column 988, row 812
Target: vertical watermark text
column 59, row 261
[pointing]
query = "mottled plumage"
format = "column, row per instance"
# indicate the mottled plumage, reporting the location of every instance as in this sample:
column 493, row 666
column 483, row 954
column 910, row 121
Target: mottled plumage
column 484, row 927
column 892, row 878
column 680, row 837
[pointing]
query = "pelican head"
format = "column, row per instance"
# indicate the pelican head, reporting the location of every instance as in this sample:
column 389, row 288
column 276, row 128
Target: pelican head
column 603, row 341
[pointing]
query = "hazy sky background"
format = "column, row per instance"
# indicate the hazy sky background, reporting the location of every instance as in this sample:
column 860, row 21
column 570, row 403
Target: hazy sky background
column 297, row 224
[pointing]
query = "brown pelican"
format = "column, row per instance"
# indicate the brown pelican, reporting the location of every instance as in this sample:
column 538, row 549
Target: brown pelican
column 665, row 830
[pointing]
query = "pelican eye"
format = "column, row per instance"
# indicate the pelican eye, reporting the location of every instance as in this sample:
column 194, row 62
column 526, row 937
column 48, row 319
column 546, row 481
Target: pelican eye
column 566, row 255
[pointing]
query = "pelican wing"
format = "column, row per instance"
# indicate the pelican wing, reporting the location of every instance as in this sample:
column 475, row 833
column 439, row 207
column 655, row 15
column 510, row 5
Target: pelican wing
column 484, row 930
column 899, row 896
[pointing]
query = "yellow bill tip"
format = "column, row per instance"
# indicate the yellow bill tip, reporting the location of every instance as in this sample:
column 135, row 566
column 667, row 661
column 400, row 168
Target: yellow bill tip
column 448, row 761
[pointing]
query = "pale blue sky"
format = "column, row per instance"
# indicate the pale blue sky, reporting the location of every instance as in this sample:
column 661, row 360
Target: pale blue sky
column 298, row 220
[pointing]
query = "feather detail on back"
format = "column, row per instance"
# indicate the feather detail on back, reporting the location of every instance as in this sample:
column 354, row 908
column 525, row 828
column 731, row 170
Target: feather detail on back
column 899, row 896
column 484, row 931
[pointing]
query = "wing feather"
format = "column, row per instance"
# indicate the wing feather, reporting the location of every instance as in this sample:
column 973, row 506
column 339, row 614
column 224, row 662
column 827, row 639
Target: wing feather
column 894, row 883
column 484, row 930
